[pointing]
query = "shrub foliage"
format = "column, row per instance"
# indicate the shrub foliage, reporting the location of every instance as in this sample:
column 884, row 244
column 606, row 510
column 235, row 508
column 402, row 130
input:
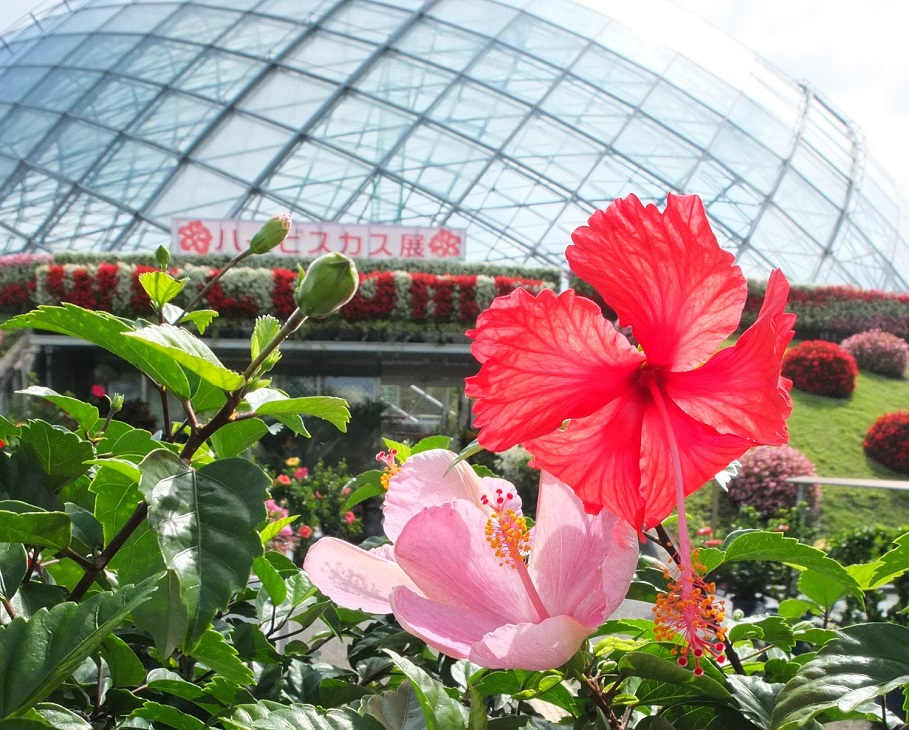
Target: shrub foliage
column 761, row 483
column 822, row 368
column 887, row 441
column 878, row 352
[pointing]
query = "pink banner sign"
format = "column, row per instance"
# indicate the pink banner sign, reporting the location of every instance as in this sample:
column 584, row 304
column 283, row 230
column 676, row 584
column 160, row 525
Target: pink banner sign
column 195, row 236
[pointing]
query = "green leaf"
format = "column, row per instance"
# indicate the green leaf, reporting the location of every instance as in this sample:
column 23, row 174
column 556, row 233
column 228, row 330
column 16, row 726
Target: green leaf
column 893, row 563
column 271, row 579
column 796, row 608
column 87, row 531
column 470, row 450
column 271, row 530
column 706, row 717
column 39, row 653
column 169, row 716
column 363, row 486
column 298, row 590
column 771, row 629
column 190, row 352
column 57, row 453
column 641, row 664
column 235, row 437
column 269, row 402
column 202, row 318
column 217, row 654
column 866, row 661
column 273, row 716
column 125, row 668
column 33, row 597
column 400, row 709
column 265, row 330
column 477, row 720
column 106, row 331
column 20, row 522
column 13, row 566
column 85, row 414
column 431, row 442
column 755, row 697
column 205, row 522
column 53, row 716
column 440, row 711
column 775, row 547
column 160, row 287
column 820, row 589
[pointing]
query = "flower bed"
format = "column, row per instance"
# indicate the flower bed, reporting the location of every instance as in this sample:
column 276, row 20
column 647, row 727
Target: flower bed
column 761, row 481
column 879, row 352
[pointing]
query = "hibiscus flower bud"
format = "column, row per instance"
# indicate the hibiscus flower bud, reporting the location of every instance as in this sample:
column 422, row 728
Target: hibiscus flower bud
column 327, row 285
column 271, row 234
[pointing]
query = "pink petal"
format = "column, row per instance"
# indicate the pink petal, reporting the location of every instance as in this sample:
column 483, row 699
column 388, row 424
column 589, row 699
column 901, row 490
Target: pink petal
column 450, row 629
column 739, row 390
column 571, row 552
column 544, row 359
column 599, row 457
column 352, row 577
column 536, row 647
column 445, row 552
column 702, row 452
column 664, row 274
column 428, row 479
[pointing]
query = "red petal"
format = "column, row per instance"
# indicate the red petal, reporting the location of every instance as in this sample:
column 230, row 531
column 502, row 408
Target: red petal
column 544, row 359
column 665, row 275
column 702, row 453
column 599, row 457
column 739, row 390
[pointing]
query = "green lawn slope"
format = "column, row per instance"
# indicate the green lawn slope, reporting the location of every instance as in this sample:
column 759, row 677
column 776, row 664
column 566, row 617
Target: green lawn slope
column 829, row 431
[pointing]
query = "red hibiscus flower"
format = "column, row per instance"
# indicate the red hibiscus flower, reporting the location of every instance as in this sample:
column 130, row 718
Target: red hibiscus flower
column 633, row 429
column 548, row 359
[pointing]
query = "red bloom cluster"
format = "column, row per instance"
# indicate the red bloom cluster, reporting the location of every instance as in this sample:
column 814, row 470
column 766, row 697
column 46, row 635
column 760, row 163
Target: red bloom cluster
column 887, row 441
column 822, row 368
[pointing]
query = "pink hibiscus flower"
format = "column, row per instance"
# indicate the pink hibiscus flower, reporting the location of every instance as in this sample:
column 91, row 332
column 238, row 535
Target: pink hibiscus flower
column 465, row 576
column 548, row 359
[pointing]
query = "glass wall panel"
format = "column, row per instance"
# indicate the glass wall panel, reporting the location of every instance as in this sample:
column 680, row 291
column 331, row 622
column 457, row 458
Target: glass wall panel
column 72, row 148
column 404, row 82
column 85, row 20
column 366, row 20
column 175, row 120
column 658, row 150
column 542, row 40
column 219, row 76
column 198, row 192
column 587, row 109
column 29, row 198
column 50, row 50
column 198, row 24
column 159, row 60
column 326, row 54
column 61, row 88
column 517, row 75
column 304, row 11
column 287, row 97
column 86, row 224
column 384, row 200
column 247, row 161
column 139, row 18
column 364, row 128
column 682, row 114
column 755, row 164
column 102, row 52
column 440, row 44
column 552, row 150
column 23, row 129
column 317, row 180
column 614, row 75
column 15, row 83
column 131, row 172
column 116, row 102
column 479, row 113
column 258, row 36
column 480, row 16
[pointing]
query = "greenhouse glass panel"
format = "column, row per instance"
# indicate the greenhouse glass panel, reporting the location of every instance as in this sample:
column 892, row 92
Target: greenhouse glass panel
column 514, row 74
column 72, row 148
column 248, row 161
column 219, row 76
column 365, row 20
column 287, row 97
column 404, row 82
column 176, row 120
column 364, row 128
column 331, row 56
column 435, row 43
column 62, row 88
column 131, row 172
column 479, row 113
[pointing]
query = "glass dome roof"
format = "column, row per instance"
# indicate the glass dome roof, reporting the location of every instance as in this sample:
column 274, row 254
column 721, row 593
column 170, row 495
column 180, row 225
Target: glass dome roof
column 513, row 120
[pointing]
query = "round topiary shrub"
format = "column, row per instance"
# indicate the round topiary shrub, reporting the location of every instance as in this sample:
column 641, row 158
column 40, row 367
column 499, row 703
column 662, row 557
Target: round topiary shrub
column 822, row 368
column 879, row 352
column 761, row 482
column 887, row 441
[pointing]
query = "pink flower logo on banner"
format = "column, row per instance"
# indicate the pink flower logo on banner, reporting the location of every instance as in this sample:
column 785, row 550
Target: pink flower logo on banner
column 195, row 236
column 445, row 244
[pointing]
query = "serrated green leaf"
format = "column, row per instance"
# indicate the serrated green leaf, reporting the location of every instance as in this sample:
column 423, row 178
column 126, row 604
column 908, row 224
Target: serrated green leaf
column 160, row 287
column 127, row 468
column 234, row 438
column 13, row 566
column 85, row 414
column 333, row 410
column 892, row 564
column 57, row 453
column 39, row 653
column 271, row 580
column 775, row 547
column 190, row 352
column 771, row 629
column 106, row 331
column 864, row 662
column 273, row 716
column 399, row 709
column 820, row 589
column 649, row 666
column 264, row 331
column 440, row 711
column 205, row 522
column 125, row 668
column 23, row 523
column 217, row 654
column 54, row 716
column 169, row 716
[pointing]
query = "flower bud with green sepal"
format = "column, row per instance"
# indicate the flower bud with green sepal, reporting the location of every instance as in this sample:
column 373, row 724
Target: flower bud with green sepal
column 271, row 234
column 327, row 285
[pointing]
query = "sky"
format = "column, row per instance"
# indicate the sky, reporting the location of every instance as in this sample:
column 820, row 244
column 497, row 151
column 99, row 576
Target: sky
column 852, row 54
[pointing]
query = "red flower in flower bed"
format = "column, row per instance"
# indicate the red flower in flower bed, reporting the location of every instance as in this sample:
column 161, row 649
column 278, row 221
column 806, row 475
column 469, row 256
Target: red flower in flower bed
column 282, row 295
column 139, row 300
column 822, row 368
column 887, row 441
column 377, row 305
column 241, row 307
